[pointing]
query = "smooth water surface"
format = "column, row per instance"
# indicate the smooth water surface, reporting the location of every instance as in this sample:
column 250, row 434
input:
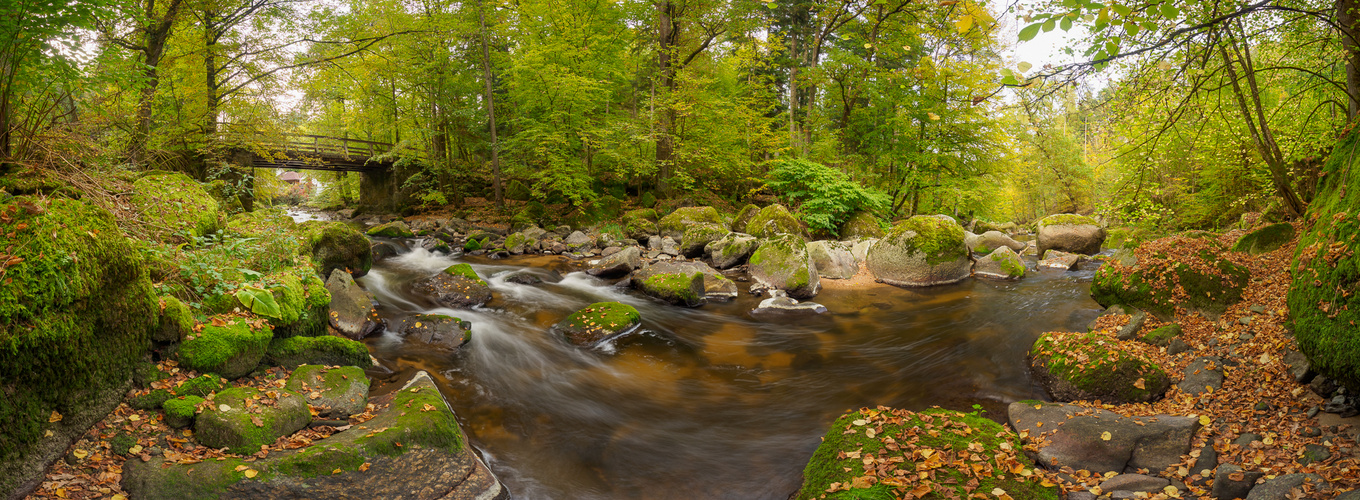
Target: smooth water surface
column 709, row 402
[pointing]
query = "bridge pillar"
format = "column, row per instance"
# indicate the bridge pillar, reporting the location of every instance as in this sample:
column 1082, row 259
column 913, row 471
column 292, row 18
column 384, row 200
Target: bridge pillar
column 378, row 190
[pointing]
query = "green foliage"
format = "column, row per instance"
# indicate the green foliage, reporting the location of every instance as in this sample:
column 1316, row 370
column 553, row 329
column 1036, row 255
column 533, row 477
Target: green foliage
column 259, row 301
column 826, row 197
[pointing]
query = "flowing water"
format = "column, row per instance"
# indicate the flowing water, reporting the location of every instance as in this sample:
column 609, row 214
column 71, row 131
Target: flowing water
column 708, row 402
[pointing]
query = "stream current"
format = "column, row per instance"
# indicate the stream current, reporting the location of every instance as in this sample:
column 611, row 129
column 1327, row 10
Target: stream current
column 707, row 402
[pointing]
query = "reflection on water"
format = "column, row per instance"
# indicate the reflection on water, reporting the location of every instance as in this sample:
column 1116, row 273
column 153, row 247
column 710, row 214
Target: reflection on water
column 708, row 402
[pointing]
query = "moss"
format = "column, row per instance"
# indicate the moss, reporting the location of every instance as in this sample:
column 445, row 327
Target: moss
column 434, row 429
column 232, row 350
column 121, row 442
column 324, row 350
column 840, row 457
column 173, row 204
column 1068, row 220
column 1162, row 336
column 772, row 221
column 1266, row 239
column 743, row 218
column 1011, row 266
column 679, row 286
column 465, row 271
column 516, row 190
column 394, row 229
column 861, row 225
column 597, row 321
column 1149, row 284
column 303, row 302
column 1094, row 364
column 647, row 200
column 202, row 385
column 235, row 429
column 151, row 400
column 472, row 245
column 76, row 314
column 177, row 321
column 180, row 412
column 938, row 239
column 337, row 245
column 675, row 224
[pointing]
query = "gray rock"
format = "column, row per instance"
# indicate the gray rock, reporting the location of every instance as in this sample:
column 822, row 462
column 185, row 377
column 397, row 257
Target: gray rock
column 230, row 422
column 991, row 240
column 435, row 330
column 783, row 263
column 335, row 392
column 352, row 310
column 611, row 250
column 617, row 264
column 1130, row 331
column 1134, row 482
column 1073, row 437
column 1226, row 488
column 654, row 242
column 670, row 247
column 1280, row 487
column 860, row 248
column 1081, row 495
column 1299, row 366
column 779, row 304
column 1056, row 232
column 579, row 241
column 833, row 259
column 1313, row 453
column 1349, row 495
column 383, row 250
column 731, row 250
column 1177, row 346
column 1206, row 461
column 1202, row 373
column 1245, row 440
column 1323, row 386
column 1003, row 263
column 1055, row 259
column 451, row 288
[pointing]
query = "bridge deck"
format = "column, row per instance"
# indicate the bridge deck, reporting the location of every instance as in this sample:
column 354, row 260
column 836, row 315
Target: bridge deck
column 316, row 152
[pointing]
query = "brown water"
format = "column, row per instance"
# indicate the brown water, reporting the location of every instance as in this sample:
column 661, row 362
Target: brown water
column 709, row 402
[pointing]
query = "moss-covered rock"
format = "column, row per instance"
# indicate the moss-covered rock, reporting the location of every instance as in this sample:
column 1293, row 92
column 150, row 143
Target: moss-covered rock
column 518, row 243
column 337, row 245
column 1070, row 233
column 304, row 302
column 1003, row 263
column 394, row 229
column 456, row 286
column 597, row 322
column 1266, row 239
column 324, row 350
column 335, row 392
column 1162, row 336
column 731, row 250
column 177, row 321
column 231, row 350
column 884, row 453
column 352, row 310
column 772, row 221
column 173, row 205
column 783, row 263
column 1092, row 366
column 151, row 400
column 1206, row 281
column 672, row 283
column 639, row 224
column 743, row 218
column 698, row 236
column 20, row 180
column 833, row 259
column 202, row 385
column 517, row 190
column 180, row 412
column 242, row 419
column 920, row 251
column 675, row 224
column 861, row 225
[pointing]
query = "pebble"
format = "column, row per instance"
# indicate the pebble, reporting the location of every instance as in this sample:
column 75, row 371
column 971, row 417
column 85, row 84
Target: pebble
column 1312, row 412
column 1246, row 439
column 1245, row 336
column 1246, row 320
column 1258, row 309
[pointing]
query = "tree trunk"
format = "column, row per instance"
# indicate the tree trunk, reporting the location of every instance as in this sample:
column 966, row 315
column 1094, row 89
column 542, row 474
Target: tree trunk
column 1257, row 125
column 153, row 47
column 210, row 74
column 665, row 53
column 1347, row 17
column 490, row 111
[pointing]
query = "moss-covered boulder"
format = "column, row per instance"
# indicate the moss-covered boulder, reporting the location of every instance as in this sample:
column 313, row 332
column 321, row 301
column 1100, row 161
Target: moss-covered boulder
column 861, row 225
column 743, row 218
column 230, row 348
column 1070, row 233
column 413, row 446
column 1003, row 264
column 639, row 224
column 174, row 206
column 435, row 330
column 675, row 224
column 698, row 236
column 1266, row 239
column 337, row 245
column 180, row 412
column 731, row 250
column 242, row 419
column 617, row 264
column 202, row 385
column 456, row 286
column 302, row 299
column 394, row 229
column 1199, row 279
column 833, row 259
column 920, row 251
column 672, row 283
column 783, row 263
column 177, row 321
column 1162, row 336
column 991, row 240
column 517, row 190
column 324, row 350
column 1095, row 366
column 597, row 323
column 334, row 392
column 352, row 311
column 772, row 221
column 518, row 243
column 885, row 453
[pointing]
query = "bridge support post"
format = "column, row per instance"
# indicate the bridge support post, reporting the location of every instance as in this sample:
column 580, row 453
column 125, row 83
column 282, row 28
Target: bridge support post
column 378, row 190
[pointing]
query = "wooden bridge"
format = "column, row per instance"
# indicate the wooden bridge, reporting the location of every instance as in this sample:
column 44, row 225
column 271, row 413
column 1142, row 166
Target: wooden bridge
column 317, row 152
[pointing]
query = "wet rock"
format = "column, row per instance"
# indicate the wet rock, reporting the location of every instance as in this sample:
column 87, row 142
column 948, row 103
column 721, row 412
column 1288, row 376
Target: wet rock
column 1281, row 487
column 336, row 392
column 731, row 250
column 1003, row 263
column 1074, row 436
column 1134, row 482
column 1087, row 366
column 352, row 310
column 396, row 229
column 1203, row 374
column 833, row 259
column 698, row 236
column 436, row 330
column 784, row 263
column 456, row 286
column 1227, row 488
column 1054, row 259
column 230, row 422
column 618, row 264
column 597, row 323
column 779, row 304
column 383, row 250
column 920, row 251
column 1070, row 233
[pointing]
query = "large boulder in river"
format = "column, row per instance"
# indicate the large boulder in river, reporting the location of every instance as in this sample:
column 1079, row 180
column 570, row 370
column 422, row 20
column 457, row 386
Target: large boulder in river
column 991, row 240
column 353, row 311
column 675, row 224
column 1093, row 366
column 783, row 263
column 456, row 286
column 617, row 264
column 918, row 450
column 1003, row 264
column 833, row 259
column 337, row 245
column 394, row 229
column 920, row 251
column 1070, row 233
column 1101, row 441
column 435, row 330
column 731, row 250
column 597, row 323
column 861, row 225
column 743, row 218
column 414, row 445
column 229, row 420
column 698, row 236
column 772, row 221
column 672, row 283
column 1198, row 278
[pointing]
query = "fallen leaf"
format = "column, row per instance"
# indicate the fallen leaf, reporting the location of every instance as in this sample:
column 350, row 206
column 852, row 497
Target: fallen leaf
column 251, row 472
column 56, row 417
column 1105, row 435
column 80, row 454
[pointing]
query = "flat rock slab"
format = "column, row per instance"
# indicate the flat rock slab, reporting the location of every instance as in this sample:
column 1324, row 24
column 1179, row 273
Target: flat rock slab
column 1074, row 436
column 433, row 462
column 335, row 392
column 1203, row 374
column 1283, row 487
column 1134, row 482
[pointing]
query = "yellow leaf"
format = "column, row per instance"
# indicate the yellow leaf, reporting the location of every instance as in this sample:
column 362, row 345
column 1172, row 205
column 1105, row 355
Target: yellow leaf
column 933, row 116
column 364, row 467
column 56, row 417
column 1205, row 420
column 118, row 497
column 1105, row 435
column 1139, row 384
column 240, row 468
column 79, row 454
column 965, row 23
column 135, row 450
column 134, row 417
column 251, row 472
column 336, row 471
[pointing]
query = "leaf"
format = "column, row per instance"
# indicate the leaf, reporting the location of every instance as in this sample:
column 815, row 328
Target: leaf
column 965, row 23
column 1205, row 420
column 1028, row 32
column 1122, row 10
column 56, row 417
column 1024, row 66
column 1106, row 436
column 1140, row 384
column 259, row 301
column 251, row 472
column 1170, row 11
column 79, row 454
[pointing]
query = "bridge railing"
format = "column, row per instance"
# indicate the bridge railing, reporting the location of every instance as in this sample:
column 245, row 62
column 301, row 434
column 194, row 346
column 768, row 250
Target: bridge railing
column 322, row 145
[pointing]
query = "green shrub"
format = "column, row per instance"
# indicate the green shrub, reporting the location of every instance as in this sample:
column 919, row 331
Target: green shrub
column 826, row 197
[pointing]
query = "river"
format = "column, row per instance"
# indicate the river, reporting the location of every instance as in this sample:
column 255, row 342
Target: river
column 708, row 402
